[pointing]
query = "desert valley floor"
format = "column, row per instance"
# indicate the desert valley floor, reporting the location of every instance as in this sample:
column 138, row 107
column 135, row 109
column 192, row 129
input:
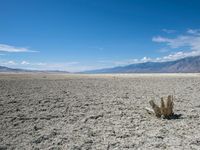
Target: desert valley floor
column 104, row 112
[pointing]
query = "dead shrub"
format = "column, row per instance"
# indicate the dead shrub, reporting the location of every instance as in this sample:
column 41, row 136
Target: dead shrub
column 166, row 107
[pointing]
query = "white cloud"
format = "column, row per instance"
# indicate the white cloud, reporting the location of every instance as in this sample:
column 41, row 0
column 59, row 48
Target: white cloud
column 9, row 63
column 41, row 64
column 9, row 48
column 160, row 39
column 168, row 31
column 179, row 55
column 191, row 42
column 170, row 57
column 25, row 63
column 146, row 59
column 194, row 31
column 12, row 62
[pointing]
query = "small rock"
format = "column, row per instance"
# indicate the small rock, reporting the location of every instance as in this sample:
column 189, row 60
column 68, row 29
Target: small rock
column 3, row 147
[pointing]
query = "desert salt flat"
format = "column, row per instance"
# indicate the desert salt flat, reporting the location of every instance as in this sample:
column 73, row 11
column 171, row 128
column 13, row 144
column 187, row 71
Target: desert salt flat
column 105, row 112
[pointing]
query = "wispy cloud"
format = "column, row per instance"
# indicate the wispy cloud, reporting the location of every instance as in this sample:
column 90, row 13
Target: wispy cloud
column 194, row 31
column 193, row 42
column 185, row 45
column 160, row 39
column 179, row 55
column 8, row 63
column 189, row 40
column 170, row 57
column 14, row 49
column 25, row 63
column 168, row 31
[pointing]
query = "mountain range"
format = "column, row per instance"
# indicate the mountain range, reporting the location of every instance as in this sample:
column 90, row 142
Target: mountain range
column 184, row 65
column 6, row 69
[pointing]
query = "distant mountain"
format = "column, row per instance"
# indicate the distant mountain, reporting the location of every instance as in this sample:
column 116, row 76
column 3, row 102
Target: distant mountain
column 6, row 69
column 185, row 65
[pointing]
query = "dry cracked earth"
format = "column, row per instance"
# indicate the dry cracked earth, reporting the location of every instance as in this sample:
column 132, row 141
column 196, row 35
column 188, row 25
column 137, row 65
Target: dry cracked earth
column 97, row 112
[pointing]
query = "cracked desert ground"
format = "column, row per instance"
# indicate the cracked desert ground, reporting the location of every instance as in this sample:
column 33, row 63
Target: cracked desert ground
column 104, row 112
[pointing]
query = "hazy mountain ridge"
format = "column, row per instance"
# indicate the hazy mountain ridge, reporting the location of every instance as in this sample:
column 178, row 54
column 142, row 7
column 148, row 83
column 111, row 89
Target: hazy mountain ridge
column 7, row 69
column 185, row 65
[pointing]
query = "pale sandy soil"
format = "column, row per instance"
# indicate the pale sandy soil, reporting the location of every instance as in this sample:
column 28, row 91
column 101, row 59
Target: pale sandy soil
column 105, row 112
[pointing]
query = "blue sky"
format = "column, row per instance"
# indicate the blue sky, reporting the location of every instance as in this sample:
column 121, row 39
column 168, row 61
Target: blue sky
column 77, row 35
